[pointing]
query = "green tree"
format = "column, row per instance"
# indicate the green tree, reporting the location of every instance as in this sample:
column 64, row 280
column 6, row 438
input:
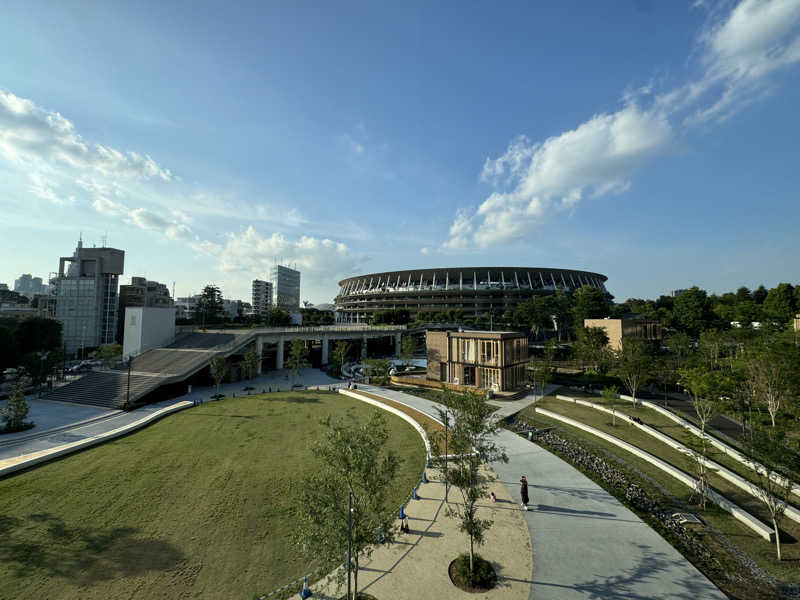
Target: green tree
column 760, row 294
column 691, row 311
column 535, row 314
column 278, row 318
column 471, row 447
column 37, row 333
column 108, row 353
column 209, row 305
column 632, row 364
column 767, row 373
column 705, row 388
column 377, row 369
column 592, row 347
column 298, row 357
column 768, row 456
column 779, row 305
column 340, row 354
column 352, row 459
column 408, row 348
column 588, row 303
column 219, row 369
column 16, row 411
column 610, row 396
column 250, row 362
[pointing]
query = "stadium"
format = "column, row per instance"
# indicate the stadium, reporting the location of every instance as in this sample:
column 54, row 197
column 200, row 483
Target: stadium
column 475, row 291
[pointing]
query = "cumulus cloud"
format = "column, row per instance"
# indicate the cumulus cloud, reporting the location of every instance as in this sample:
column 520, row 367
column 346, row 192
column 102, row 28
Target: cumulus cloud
column 739, row 50
column 249, row 251
column 31, row 134
column 598, row 157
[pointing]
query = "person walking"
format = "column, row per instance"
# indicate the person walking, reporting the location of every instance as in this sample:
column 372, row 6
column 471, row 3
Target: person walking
column 523, row 491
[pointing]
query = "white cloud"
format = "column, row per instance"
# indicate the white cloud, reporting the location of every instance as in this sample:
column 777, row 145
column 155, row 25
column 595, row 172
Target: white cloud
column 425, row 251
column 596, row 158
column 739, row 50
column 31, row 134
column 47, row 190
column 321, row 258
column 143, row 218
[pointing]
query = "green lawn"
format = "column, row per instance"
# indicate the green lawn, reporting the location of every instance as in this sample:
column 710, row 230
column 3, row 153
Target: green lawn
column 760, row 550
column 196, row 505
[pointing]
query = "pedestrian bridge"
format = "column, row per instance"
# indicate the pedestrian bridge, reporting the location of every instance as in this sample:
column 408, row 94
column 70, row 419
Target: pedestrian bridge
column 192, row 351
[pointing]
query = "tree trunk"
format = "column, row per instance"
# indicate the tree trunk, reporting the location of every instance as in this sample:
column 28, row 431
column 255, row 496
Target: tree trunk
column 471, row 555
column 777, row 538
column 772, row 418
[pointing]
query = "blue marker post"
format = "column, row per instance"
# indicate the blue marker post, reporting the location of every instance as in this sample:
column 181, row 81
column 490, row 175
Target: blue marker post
column 414, row 494
column 305, row 592
column 402, row 514
column 424, row 477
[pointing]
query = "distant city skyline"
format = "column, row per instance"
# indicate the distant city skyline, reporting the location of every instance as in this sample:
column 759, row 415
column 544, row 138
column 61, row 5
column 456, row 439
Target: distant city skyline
column 652, row 142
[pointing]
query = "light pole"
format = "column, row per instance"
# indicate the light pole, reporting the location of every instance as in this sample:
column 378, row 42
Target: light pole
column 446, row 480
column 128, row 395
column 349, row 538
column 42, row 357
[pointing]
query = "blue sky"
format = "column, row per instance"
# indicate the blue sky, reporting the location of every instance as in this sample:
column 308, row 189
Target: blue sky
column 654, row 142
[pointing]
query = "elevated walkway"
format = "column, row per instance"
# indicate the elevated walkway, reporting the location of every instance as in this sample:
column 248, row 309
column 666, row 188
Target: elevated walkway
column 189, row 354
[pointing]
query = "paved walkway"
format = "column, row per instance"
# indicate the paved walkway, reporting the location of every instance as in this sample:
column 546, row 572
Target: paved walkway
column 587, row 545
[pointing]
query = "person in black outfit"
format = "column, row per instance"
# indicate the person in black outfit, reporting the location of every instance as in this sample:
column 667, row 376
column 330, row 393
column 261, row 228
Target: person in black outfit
column 523, row 491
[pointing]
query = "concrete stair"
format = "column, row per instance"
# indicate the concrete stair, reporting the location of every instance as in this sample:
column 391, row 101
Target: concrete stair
column 108, row 389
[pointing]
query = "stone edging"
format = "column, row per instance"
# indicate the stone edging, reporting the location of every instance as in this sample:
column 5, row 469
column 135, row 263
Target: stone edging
column 717, row 443
column 724, row 472
column 738, row 513
column 52, row 453
column 407, row 418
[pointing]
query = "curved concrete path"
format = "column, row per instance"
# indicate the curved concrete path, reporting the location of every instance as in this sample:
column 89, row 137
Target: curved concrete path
column 587, row 545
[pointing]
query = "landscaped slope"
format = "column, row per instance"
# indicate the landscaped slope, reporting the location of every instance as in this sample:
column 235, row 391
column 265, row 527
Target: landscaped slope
column 197, row 505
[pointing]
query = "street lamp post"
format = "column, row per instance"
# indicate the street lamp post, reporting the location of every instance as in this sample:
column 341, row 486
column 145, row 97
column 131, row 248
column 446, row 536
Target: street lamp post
column 349, row 538
column 446, row 480
column 128, row 395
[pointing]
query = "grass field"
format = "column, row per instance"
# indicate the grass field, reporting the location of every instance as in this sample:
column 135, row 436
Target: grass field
column 197, row 505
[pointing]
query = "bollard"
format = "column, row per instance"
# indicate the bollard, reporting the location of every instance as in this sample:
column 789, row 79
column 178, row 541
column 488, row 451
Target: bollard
column 402, row 514
column 414, row 494
column 428, row 463
column 424, row 477
column 380, row 534
column 305, row 592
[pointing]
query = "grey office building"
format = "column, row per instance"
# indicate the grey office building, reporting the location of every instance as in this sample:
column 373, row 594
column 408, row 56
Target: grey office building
column 286, row 288
column 262, row 297
column 86, row 296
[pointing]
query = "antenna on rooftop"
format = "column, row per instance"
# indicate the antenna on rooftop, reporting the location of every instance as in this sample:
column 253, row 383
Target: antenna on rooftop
column 105, row 240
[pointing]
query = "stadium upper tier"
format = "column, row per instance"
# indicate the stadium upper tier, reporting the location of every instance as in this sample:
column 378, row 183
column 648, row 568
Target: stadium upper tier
column 475, row 291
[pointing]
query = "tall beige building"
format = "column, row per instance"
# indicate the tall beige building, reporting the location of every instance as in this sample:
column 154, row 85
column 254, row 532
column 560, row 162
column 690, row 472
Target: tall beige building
column 621, row 329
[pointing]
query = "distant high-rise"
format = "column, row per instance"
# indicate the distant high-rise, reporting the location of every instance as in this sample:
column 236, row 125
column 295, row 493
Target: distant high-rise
column 286, row 288
column 262, row 297
column 27, row 285
column 86, row 296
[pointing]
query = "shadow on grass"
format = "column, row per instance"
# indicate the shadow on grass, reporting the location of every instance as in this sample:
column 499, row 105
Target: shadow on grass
column 43, row 545
column 301, row 400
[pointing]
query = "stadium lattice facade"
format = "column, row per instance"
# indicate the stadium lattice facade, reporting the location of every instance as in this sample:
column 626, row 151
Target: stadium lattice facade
column 475, row 291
